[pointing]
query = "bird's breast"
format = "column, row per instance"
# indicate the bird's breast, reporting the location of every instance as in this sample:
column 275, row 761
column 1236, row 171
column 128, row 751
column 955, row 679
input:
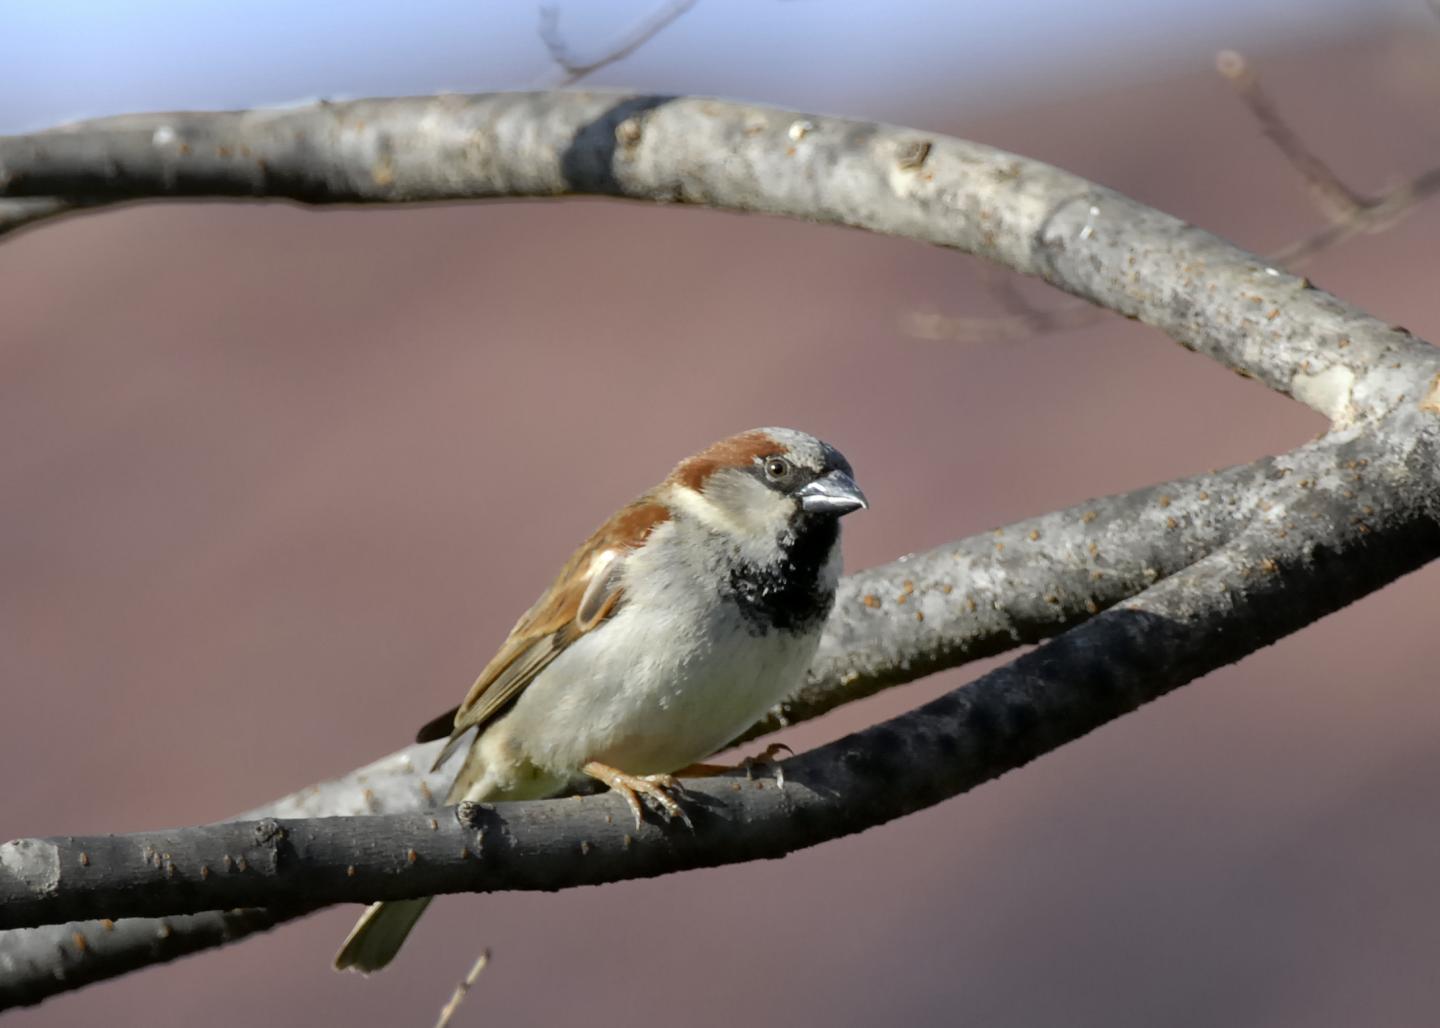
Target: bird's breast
column 682, row 668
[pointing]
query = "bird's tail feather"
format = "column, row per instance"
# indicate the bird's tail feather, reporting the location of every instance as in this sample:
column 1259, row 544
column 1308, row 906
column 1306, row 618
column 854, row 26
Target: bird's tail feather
column 377, row 936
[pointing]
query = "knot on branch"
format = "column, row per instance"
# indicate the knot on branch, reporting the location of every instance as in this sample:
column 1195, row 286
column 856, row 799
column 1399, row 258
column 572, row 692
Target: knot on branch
column 271, row 846
column 268, row 831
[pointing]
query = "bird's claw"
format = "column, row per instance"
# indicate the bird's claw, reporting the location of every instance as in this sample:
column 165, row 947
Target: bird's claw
column 662, row 790
column 656, row 788
column 768, row 759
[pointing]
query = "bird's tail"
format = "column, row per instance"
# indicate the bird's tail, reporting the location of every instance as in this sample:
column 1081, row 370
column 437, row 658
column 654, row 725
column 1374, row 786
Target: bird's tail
column 377, row 936
column 382, row 929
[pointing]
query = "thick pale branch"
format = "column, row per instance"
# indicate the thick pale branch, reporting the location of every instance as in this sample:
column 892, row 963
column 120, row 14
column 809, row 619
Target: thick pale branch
column 1208, row 295
column 1310, row 554
column 1014, row 586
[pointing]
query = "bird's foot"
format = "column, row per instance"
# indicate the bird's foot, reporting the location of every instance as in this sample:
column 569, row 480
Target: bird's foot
column 631, row 787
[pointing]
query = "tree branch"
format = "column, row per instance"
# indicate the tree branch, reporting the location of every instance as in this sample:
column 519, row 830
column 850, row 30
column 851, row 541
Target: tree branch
column 1348, row 212
column 1310, row 555
column 1206, row 294
column 1014, row 586
column 1325, row 524
column 41, row 962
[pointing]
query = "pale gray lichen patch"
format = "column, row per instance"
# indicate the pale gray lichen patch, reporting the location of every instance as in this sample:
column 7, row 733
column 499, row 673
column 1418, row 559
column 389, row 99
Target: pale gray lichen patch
column 1431, row 400
column 1331, row 392
column 34, row 862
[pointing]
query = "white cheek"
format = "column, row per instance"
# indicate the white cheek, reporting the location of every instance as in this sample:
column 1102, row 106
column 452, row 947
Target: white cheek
column 753, row 516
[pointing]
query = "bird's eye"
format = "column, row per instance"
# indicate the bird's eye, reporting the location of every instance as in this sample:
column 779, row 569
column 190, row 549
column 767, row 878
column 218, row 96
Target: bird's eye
column 777, row 468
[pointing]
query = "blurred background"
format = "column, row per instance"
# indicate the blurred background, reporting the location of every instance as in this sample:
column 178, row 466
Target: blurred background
column 270, row 478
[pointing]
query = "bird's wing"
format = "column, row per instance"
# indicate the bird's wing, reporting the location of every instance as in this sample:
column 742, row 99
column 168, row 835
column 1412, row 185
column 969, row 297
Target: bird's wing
column 585, row 594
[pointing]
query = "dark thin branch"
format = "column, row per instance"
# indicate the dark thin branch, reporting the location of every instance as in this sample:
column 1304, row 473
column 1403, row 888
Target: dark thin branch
column 37, row 963
column 1033, row 218
column 1308, row 556
column 635, row 37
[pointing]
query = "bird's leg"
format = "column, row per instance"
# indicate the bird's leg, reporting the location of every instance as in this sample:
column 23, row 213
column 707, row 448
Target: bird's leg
column 770, row 758
column 631, row 787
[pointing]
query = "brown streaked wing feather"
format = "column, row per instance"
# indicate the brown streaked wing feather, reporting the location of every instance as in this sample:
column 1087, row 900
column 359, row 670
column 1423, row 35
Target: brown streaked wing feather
column 571, row 607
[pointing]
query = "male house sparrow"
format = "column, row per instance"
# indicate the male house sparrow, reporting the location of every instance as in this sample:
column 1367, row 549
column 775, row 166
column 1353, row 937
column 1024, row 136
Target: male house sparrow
column 671, row 630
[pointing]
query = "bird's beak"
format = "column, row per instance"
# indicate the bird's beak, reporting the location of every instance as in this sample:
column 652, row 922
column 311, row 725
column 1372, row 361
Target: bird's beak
column 832, row 493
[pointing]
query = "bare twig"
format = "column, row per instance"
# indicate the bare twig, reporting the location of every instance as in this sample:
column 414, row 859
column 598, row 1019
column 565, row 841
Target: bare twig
column 461, row 990
column 1335, row 199
column 1349, row 212
column 1022, row 320
column 1380, row 213
column 574, row 69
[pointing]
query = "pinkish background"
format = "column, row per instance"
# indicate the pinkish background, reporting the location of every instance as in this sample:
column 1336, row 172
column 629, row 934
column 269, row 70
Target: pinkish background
column 276, row 483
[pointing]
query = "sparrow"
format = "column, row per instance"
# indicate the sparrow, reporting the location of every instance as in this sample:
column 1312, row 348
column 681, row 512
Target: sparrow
column 674, row 628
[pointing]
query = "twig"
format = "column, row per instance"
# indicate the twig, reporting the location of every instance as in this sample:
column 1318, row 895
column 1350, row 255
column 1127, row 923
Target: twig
column 1380, row 213
column 1023, row 320
column 638, row 35
column 1335, row 199
column 1348, row 211
column 462, row 989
